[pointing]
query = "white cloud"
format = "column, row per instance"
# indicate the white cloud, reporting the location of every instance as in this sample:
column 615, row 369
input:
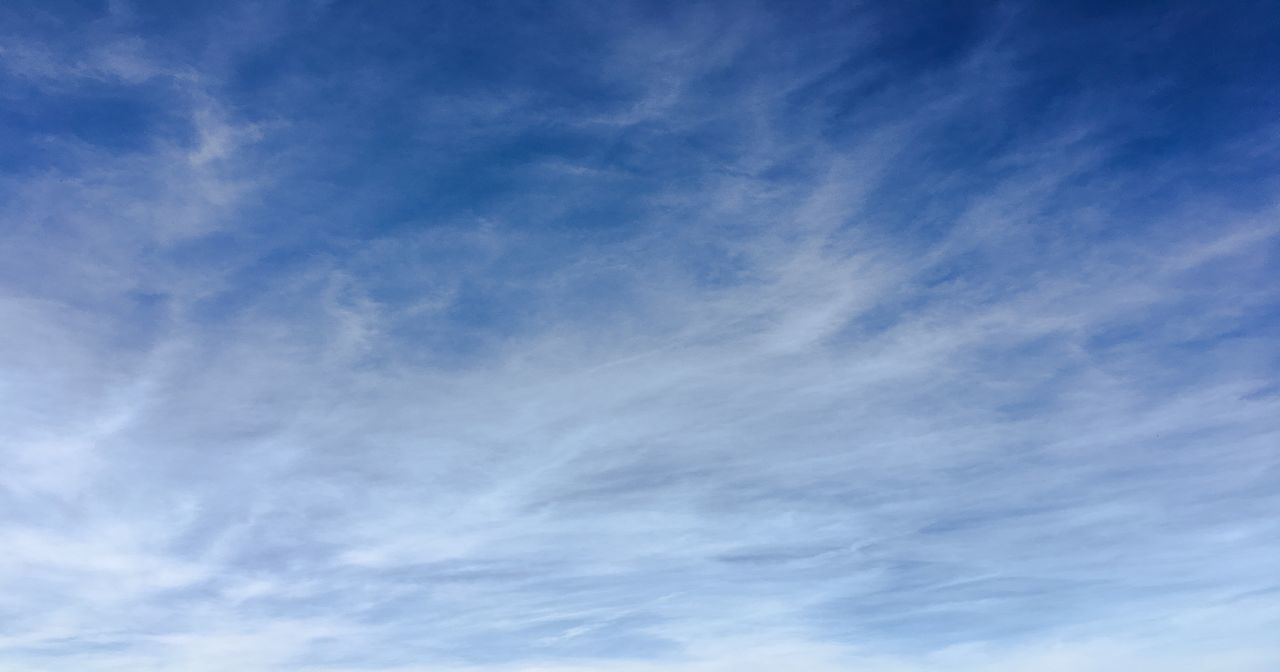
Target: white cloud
column 787, row 431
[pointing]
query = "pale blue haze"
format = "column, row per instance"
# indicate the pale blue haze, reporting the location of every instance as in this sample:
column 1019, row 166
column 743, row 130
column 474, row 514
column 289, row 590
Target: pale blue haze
column 639, row 336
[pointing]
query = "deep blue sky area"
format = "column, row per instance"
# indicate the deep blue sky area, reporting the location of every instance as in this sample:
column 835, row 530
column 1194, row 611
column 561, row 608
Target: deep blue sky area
column 639, row 336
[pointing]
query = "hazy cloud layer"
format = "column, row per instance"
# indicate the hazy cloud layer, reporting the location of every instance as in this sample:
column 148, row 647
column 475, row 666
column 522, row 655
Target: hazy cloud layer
column 563, row 337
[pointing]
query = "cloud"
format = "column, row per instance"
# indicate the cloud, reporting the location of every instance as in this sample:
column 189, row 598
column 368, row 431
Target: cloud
column 718, row 340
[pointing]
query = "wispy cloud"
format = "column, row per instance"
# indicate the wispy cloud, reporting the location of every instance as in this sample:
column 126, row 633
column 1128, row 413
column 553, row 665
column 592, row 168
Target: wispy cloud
column 706, row 340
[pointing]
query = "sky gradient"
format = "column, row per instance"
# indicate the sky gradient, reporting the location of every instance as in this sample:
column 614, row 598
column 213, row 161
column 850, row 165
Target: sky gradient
column 639, row 336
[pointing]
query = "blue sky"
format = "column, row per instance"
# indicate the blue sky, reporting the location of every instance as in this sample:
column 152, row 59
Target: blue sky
column 638, row 337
